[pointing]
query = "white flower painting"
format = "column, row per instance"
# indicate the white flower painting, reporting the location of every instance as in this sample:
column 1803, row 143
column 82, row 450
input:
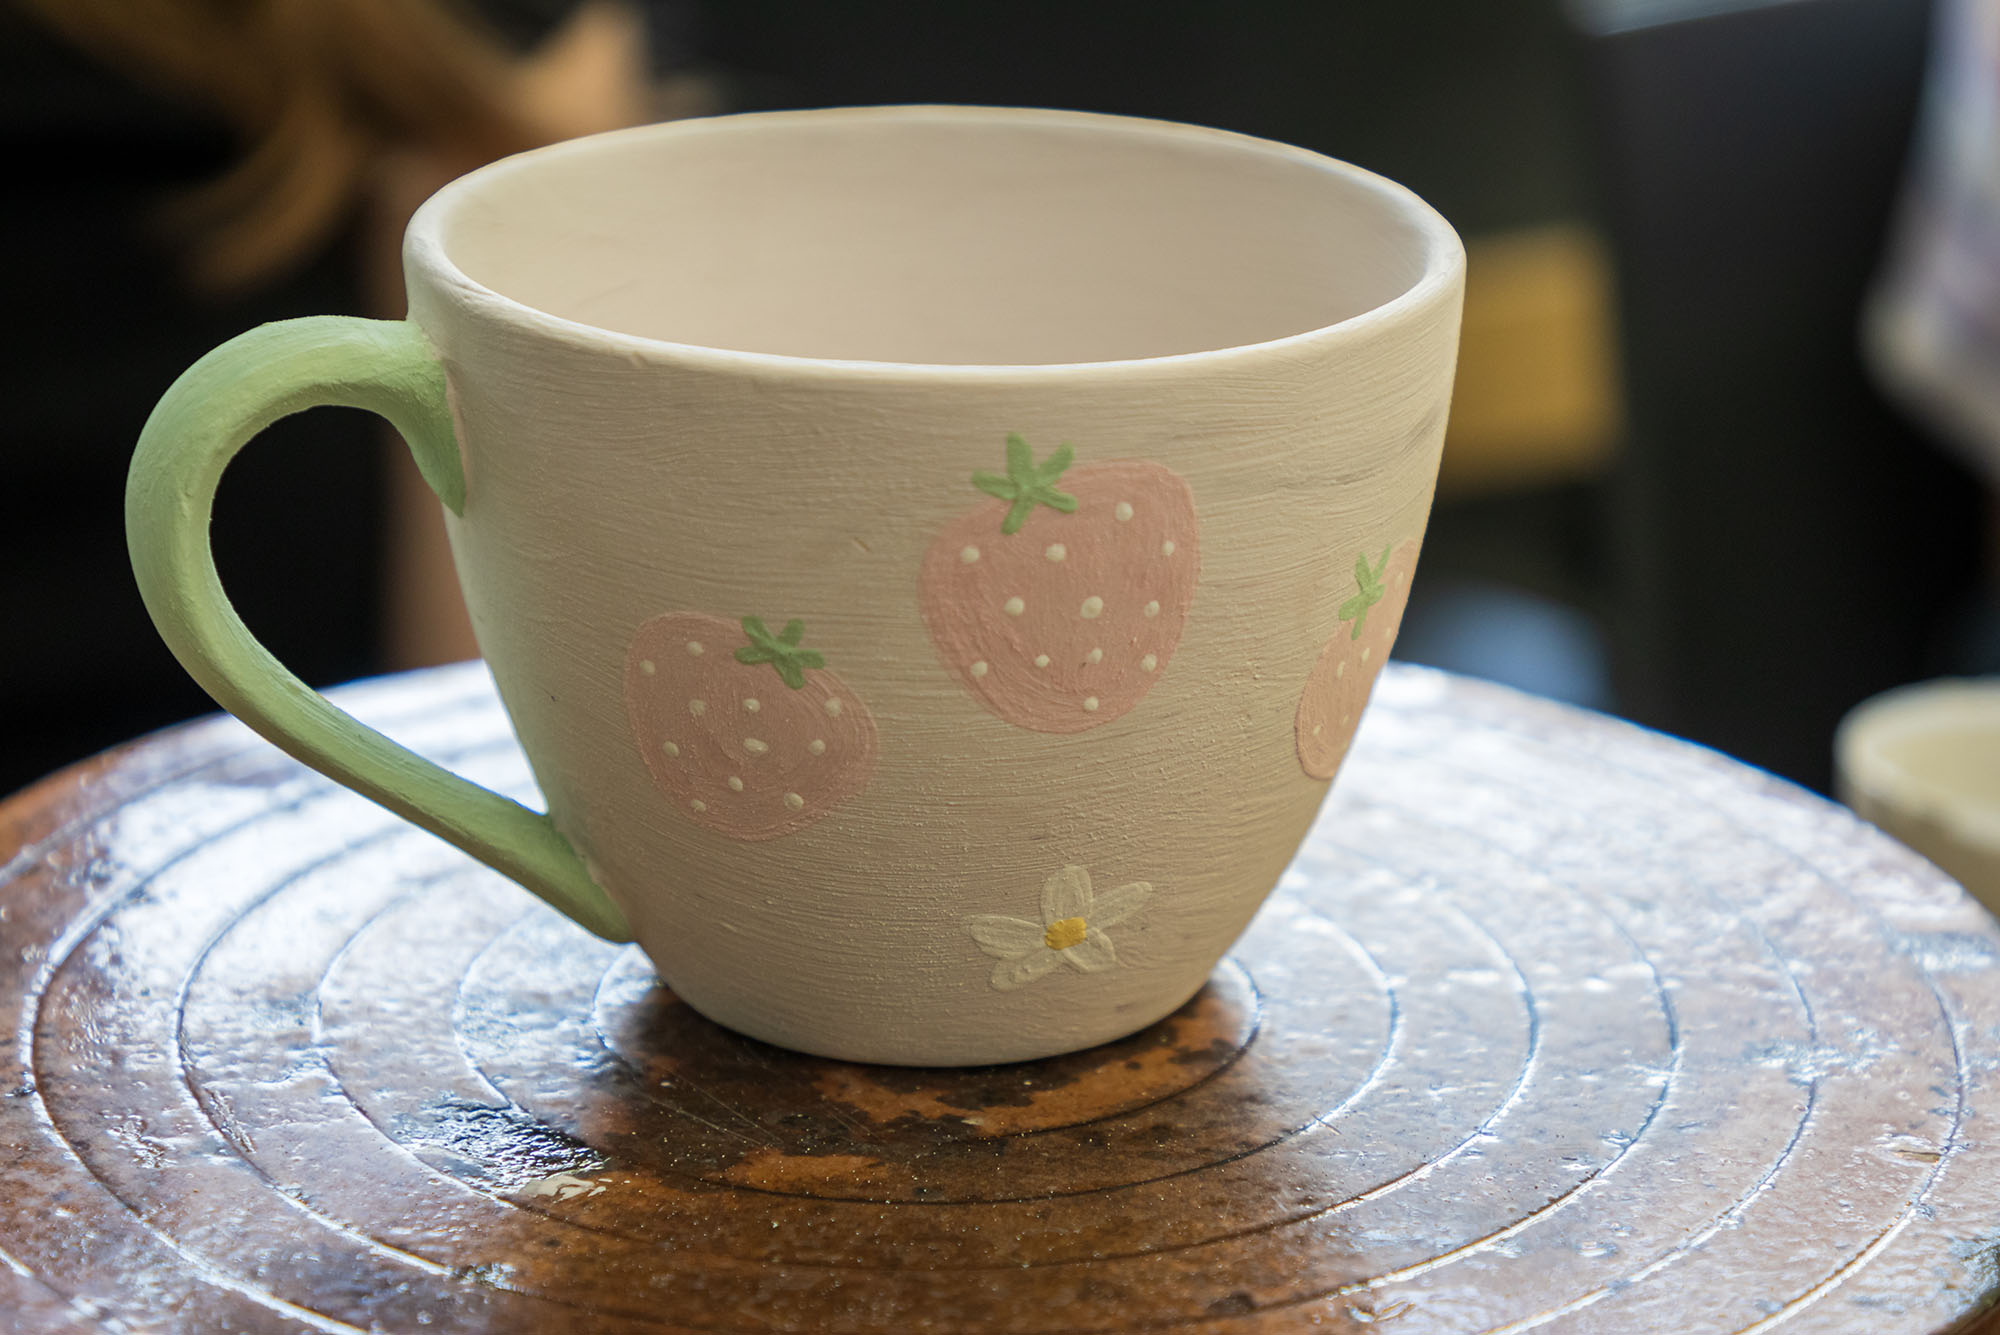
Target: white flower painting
column 1071, row 930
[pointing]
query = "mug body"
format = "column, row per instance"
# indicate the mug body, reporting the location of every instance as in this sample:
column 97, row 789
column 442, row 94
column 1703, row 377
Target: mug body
column 934, row 558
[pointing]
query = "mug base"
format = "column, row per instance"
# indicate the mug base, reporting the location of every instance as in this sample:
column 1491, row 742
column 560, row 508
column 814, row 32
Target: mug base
column 1212, row 1023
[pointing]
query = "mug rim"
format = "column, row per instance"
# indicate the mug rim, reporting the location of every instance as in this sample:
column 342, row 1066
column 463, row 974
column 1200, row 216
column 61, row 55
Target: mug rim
column 425, row 254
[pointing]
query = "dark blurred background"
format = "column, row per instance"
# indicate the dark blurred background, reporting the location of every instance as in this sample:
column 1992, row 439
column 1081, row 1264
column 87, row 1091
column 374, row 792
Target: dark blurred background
column 1671, row 488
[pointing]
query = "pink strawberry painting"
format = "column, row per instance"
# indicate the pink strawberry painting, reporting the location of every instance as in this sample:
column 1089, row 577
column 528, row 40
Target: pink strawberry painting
column 1059, row 602
column 746, row 730
column 1339, row 684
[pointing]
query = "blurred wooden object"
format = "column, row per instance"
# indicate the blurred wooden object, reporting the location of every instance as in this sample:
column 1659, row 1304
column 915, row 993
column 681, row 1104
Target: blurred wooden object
column 1554, row 1024
column 315, row 94
column 1537, row 393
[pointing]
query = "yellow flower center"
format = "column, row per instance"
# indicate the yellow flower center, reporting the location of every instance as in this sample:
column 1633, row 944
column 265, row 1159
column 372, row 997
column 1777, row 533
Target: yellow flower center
column 1064, row 933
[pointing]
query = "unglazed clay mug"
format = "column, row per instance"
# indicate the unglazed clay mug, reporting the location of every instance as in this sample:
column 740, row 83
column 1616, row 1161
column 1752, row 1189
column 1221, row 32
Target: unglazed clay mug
column 933, row 558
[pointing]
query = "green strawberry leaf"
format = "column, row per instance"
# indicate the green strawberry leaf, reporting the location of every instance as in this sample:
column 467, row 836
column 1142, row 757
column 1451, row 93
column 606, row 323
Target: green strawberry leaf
column 1369, row 582
column 781, row 651
column 1027, row 484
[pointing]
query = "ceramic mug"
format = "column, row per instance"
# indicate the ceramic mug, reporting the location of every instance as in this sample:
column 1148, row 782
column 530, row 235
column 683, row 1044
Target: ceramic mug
column 933, row 558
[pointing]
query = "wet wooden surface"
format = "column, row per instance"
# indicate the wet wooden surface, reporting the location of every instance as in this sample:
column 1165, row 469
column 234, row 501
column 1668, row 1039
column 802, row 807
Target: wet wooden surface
column 1554, row 1025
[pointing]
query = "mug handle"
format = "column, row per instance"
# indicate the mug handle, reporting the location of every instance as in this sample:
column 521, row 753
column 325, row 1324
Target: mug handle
column 387, row 367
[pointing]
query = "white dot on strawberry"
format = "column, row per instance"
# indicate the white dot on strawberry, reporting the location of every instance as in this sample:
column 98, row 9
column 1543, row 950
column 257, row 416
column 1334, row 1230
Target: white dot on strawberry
column 1013, row 607
column 694, row 648
column 1094, row 656
column 980, row 668
column 698, row 805
column 816, row 746
column 754, row 747
column 833, row 708
column 671, row 748
column 1167, row 547
column 1090, row 703
column 751, row 705
column 1153, row 608
column 1149, row 662
column 735, row 784
column 1055, row 551
column 968, row 554
column 648, row 666
column 697, row 707
column 1123, row 510
column 1041, row 660
column 1093, row 607
column 794, row 801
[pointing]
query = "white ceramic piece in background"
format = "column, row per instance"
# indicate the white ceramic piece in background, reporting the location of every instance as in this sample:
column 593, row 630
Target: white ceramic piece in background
column 1923, row 762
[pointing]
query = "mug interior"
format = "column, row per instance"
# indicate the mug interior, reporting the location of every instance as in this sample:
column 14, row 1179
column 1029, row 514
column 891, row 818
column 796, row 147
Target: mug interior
column 937, row 235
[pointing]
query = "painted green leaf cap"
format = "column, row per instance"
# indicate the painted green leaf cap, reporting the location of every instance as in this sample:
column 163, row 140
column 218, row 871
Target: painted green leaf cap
column 1355, row 609
column 1027, row 483
column 781, row 651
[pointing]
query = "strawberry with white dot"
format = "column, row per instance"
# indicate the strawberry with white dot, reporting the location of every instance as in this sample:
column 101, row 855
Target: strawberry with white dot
column 1059, row 602
column 1340, row 682
column 743, row 728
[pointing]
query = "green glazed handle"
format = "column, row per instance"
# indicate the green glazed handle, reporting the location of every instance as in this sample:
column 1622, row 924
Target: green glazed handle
column 387, row 367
